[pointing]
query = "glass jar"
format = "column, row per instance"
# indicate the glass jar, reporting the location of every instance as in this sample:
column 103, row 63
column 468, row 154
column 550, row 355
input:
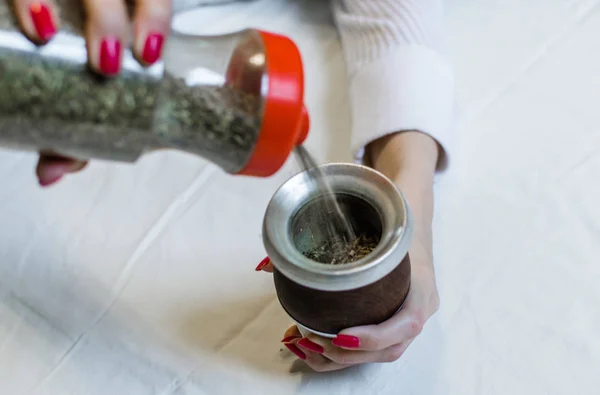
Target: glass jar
column 236, row 99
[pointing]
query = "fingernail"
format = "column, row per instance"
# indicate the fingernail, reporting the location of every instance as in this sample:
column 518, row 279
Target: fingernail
column 153, row 48
column 289, row 339
column 311, row 346
column 42, row 21
column 296, row 351
column 52, row 175
column 56, row 169
column 346, row 341
column 110, row 56
column 262, row 264
column 49, row 181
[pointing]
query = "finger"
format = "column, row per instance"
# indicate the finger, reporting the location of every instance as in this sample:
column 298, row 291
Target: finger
column 313, row 352
column 265, row 266
column 294, row 349
column 351, row 358
column 152, row 23
column 405, row 325
column 292, row 333
column 344, row 357
column 106, row 31
column 37, row 19
column 51, row 169
column 319, row 363
column 268, row 268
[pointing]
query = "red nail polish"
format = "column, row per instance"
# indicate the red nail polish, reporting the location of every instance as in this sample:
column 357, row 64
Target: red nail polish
column 153, row 48
column 110, row 56
column 53, row 169
column 311, row 346
column 346, row 341
column 49, row 181
column 42, row 21
column 289, row 339
column 262, row 264
column 296, row 351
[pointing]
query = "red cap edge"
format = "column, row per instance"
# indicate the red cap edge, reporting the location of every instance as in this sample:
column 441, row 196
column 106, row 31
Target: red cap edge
column 285, row 119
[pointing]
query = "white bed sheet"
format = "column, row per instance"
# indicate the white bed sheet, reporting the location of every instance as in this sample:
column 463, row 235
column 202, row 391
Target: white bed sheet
column 140, row 279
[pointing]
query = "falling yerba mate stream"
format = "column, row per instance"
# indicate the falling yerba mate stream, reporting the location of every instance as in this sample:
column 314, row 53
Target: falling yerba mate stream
column 342, row 245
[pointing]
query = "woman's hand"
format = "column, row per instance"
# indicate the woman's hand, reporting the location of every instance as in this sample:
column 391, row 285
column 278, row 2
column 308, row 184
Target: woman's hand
column 108, row 32
column 385, row 342
column 408, row 159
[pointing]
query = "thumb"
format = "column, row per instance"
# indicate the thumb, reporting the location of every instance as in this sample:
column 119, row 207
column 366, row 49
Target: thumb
column 265, row 266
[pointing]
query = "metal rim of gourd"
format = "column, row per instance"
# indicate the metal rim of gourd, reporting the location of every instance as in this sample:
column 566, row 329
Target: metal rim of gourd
column 357, row 180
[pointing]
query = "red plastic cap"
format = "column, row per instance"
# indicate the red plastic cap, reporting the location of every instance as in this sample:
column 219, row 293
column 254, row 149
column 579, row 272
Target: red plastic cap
column 285, row 121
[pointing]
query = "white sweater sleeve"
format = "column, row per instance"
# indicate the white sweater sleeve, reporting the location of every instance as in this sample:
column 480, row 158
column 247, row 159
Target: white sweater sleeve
column 398, row 78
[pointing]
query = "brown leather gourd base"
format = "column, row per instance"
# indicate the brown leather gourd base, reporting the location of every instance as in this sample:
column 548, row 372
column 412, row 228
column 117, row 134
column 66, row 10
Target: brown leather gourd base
column 331, row 312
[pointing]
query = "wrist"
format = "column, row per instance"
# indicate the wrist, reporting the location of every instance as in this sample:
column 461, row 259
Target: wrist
column 409, row 160
column 409, row 156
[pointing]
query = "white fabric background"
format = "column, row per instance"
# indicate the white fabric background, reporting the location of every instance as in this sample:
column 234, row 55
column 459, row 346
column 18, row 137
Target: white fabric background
column 139, row 279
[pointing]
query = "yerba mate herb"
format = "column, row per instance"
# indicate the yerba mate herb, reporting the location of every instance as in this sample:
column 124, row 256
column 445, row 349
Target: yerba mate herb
column 52, row 105
column 338, row 226
column 57, row 106
column 53, row 102
column 339, row 251
column 221, row 124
